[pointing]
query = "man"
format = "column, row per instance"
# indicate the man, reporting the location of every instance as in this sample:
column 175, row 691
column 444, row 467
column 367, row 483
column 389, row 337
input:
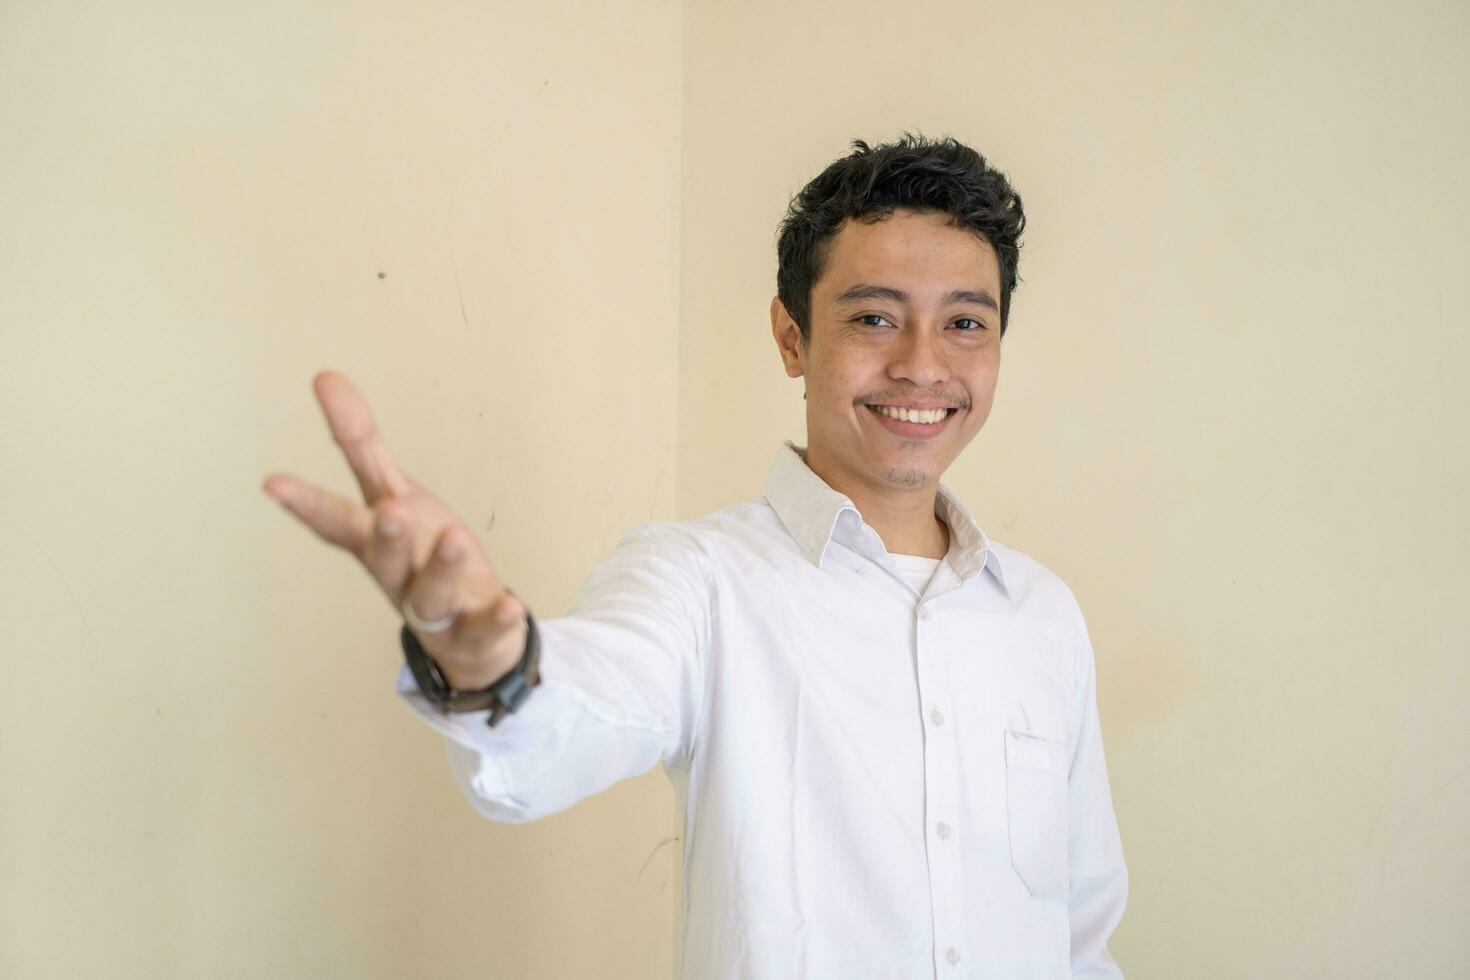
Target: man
column 882, row 723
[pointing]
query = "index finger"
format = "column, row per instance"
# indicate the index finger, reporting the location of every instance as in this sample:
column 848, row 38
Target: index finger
column 353, row 429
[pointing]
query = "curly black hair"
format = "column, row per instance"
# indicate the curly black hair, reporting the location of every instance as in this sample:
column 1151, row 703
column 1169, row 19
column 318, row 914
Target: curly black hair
column 914, row 173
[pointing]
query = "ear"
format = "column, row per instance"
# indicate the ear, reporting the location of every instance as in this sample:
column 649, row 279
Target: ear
column 788, row 339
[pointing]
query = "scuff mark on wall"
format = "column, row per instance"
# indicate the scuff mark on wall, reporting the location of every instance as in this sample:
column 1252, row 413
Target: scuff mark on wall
column 460, row 290
column 656, row 848
column 65, row 584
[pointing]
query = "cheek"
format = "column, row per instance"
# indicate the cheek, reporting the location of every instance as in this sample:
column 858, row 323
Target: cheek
column 982, row 391
column 984, row 374
column 985, row 400
column 840, row 384
column 854, row 378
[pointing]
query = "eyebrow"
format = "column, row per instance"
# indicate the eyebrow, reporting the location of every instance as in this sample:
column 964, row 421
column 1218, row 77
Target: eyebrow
column 867, row 290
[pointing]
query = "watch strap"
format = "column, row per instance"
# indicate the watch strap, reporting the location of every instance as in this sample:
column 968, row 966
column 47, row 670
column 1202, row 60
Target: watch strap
column 501, row 698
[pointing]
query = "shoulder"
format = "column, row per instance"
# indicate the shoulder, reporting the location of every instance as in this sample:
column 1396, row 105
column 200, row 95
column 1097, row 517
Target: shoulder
column 1035, row 589
column 1040, row 596
column 707, row 541
column 710, row 533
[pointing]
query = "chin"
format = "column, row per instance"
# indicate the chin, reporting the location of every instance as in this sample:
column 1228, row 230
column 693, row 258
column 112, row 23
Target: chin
column 908, row 477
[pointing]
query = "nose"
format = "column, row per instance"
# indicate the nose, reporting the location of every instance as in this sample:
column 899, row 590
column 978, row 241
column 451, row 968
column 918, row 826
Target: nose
column 920, row 358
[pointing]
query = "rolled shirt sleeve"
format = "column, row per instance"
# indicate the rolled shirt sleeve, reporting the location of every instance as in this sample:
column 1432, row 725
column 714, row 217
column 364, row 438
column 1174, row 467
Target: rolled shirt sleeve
column 1099, row 877
column 621, row 686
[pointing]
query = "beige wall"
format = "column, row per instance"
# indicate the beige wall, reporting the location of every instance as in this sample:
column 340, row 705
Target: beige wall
column 1232, row 416
column 206, row 772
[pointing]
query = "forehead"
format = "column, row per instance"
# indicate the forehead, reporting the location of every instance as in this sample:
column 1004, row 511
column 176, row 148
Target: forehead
column 922, row 250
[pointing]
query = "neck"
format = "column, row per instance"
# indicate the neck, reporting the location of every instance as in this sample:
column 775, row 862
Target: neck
column 903, row 517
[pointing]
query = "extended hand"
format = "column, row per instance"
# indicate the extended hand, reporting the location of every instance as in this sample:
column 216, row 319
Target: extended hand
column 411, row 544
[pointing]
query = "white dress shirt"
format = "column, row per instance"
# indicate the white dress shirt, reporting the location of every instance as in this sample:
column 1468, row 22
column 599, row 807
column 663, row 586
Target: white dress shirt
column 890, row 766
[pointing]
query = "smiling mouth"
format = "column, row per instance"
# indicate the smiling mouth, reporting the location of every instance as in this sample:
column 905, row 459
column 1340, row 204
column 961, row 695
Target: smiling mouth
column 913, row 416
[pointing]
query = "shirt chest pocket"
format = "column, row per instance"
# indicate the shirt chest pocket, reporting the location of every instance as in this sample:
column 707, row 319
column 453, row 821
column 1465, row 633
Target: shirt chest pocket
column 1036, row 813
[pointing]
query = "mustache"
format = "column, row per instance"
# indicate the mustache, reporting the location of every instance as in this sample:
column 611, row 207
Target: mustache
column 886, row 398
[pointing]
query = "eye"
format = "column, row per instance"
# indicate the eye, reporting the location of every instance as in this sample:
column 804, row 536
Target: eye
column 872, row 316
column 978, row 325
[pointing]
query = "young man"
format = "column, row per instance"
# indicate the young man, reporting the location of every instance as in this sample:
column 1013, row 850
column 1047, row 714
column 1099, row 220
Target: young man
column 882, row 722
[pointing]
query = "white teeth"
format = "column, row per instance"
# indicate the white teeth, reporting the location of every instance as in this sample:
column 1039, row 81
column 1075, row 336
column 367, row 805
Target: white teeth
column 927, row 417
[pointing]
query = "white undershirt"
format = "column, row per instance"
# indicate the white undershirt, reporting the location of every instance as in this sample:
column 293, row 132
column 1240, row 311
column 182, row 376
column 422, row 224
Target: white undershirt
column 916, row 570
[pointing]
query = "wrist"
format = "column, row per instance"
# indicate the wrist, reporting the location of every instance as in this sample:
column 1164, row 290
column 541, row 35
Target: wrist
column 500, row 697
column 510, row 649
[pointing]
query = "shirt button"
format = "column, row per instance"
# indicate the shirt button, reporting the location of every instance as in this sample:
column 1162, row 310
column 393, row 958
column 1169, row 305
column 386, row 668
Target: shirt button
column 942, row 829
column 953, row 955
column 924, row 612
column 936, row 717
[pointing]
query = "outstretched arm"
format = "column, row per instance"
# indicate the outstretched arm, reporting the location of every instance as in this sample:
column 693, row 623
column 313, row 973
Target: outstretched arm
column 620, row 675
column 622, row 679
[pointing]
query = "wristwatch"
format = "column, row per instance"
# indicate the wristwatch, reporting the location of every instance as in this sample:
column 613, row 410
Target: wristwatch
column 502, row 697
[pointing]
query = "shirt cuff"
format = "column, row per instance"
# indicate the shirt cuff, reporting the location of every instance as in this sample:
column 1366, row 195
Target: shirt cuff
column 482, row 758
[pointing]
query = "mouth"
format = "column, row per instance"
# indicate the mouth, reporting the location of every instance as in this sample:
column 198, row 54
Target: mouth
column 912, row 424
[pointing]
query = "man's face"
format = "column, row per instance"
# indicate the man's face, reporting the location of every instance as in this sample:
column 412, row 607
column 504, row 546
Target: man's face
column 928, row 336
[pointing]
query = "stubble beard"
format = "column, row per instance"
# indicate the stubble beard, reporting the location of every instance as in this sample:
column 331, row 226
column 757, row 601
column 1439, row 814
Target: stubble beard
column 907, row 479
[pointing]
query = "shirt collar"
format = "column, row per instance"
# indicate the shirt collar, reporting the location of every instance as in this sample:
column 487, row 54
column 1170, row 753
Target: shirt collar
column 815, row 514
